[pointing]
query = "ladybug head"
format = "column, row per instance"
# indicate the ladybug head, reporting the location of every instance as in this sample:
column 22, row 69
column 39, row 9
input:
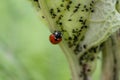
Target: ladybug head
column 57, row 34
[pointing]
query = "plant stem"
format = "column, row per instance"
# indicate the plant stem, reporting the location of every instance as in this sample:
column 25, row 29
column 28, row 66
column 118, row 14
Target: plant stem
column 111, row 58
column 74, row 65
column 116, row 53
column 107, row 62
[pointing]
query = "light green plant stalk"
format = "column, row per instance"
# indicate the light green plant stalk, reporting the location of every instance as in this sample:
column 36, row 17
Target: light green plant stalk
column 111, row 58
column 85, row 25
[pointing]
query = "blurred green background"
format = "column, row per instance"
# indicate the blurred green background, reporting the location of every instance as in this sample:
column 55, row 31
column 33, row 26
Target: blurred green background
column 25, row 50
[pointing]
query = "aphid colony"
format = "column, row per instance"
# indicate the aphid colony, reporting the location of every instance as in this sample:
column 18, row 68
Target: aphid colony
column 57, row 14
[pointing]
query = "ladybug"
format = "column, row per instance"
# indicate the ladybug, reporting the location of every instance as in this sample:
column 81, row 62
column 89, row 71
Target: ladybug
column 55, row 37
